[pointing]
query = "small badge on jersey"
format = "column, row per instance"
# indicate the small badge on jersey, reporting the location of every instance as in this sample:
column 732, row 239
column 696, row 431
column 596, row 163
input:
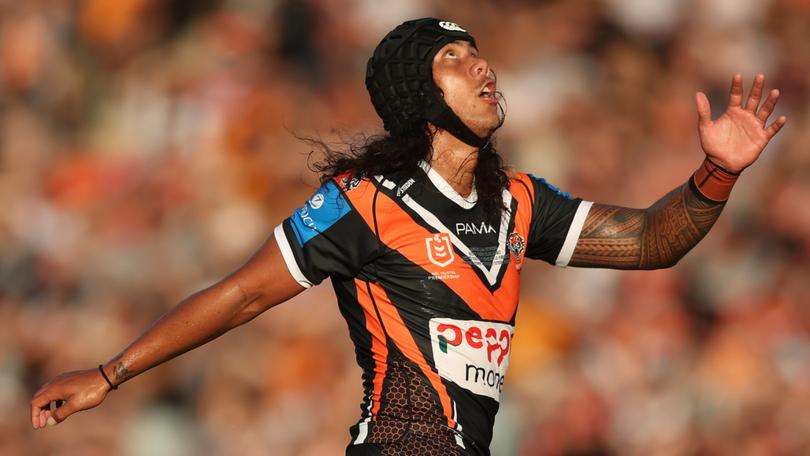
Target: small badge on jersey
column 472, row 354
column 516, row 247
column 440, row 249
column 349, row 184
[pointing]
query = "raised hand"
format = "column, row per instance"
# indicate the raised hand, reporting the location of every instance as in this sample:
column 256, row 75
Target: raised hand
column 736, row 139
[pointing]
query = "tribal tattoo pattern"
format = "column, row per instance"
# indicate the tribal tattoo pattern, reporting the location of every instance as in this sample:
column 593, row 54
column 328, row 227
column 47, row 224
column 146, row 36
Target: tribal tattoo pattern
column 657, row 237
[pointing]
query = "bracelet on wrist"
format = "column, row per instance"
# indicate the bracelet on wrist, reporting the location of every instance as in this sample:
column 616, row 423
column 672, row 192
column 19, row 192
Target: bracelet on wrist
column 101, row 369
column 712, row 182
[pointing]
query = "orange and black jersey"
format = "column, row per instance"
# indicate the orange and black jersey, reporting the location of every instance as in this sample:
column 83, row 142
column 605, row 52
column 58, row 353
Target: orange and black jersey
column 429, row 290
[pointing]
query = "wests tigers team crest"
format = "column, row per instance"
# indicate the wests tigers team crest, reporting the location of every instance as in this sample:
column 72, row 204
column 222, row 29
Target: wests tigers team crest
column 516, row 246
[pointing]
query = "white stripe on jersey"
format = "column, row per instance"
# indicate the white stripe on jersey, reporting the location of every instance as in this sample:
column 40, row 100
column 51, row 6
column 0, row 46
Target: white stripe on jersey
column 289, row 258
column 362, row 427
column 573, row 233
column 459, row 440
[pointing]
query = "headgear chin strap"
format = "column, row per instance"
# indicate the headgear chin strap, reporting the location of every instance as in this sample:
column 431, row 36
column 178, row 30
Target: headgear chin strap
column 399, row 79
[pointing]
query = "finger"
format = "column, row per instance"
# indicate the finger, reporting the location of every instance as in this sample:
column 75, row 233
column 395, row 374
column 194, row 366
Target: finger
column 49, row 419
column 38, row 421
column 770, row 103
column 756, row 93
column 34, row 411
column 54, row 405
column 704, row 109
column 43, row 400
column 735, row 97
column 38, row 404
column 777, row 125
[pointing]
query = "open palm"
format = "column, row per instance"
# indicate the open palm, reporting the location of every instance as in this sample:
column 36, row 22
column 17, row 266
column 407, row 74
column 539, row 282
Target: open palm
column 736, row 139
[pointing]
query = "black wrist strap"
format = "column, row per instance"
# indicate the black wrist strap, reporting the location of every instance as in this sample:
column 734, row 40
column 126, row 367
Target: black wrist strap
column 100, row 369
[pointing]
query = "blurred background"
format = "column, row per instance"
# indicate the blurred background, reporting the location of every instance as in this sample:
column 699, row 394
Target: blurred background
column 147, row 148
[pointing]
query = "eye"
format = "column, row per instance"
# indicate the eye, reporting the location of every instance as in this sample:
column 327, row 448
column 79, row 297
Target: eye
column 451, row 54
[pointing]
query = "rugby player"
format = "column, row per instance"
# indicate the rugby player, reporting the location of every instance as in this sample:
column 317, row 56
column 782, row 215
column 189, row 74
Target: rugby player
column 423, row 234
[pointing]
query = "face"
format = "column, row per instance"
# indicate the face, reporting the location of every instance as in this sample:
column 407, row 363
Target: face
column 468, row 86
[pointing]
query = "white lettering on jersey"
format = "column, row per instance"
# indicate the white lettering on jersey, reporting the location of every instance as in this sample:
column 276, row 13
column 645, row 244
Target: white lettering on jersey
column 472, row 354
column 471, row 228
column 306, row 218
column 405, row 187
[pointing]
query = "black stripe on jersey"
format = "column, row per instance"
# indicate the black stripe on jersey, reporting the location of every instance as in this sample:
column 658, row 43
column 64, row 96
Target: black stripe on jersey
column 352, row 311
column 550, row 225
column 477, row 427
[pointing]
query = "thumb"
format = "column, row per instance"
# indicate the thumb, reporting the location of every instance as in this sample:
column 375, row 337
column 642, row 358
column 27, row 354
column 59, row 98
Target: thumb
column 68, row 408
column 704, row 109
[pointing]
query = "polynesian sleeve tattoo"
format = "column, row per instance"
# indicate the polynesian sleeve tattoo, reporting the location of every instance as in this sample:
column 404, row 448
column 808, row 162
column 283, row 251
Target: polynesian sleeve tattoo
column 657, row 237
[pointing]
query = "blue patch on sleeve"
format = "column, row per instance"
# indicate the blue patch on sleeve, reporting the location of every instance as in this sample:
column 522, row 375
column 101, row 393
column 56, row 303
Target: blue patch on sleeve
column 321, row 211
column 551, row 187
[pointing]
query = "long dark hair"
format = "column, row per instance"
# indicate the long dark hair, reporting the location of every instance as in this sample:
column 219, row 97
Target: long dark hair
column 400, row 155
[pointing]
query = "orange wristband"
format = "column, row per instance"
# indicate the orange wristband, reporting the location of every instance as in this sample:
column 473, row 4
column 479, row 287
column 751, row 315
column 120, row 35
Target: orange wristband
column 712, row 182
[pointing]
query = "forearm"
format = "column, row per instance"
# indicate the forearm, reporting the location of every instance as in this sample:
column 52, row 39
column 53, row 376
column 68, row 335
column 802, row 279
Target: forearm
column 259, row 284
column 652, row 238
column 196, row 320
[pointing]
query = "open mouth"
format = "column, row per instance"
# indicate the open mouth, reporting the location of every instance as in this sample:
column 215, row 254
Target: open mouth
column 488, row 93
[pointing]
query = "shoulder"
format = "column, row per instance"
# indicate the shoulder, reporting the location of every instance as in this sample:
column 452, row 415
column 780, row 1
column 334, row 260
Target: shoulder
column 520, row 184
column 358, row 189
column 541, row 185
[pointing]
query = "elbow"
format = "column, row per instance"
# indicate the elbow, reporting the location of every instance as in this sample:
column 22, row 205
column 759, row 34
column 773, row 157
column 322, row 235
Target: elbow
column 254, row 305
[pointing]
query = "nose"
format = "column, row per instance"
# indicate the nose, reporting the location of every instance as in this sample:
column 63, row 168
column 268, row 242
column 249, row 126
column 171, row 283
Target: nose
column 480, row 66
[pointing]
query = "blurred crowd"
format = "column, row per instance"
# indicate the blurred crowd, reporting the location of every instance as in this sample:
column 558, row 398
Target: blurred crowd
column 148, row 147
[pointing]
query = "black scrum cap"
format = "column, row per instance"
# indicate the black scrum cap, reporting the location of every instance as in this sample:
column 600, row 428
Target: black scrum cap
column 399, row 78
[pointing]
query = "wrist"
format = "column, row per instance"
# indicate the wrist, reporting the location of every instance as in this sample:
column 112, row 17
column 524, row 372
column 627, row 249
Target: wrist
column 712, row 182
column 106, row 378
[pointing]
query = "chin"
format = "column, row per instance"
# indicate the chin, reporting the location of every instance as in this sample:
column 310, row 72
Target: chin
column 491, row 124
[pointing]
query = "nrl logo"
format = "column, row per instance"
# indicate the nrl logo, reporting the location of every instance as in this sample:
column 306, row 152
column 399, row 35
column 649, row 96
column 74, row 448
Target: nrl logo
column 439, row 249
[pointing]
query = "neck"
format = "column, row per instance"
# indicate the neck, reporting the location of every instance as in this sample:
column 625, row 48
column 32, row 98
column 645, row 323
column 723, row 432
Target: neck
column 455, row 161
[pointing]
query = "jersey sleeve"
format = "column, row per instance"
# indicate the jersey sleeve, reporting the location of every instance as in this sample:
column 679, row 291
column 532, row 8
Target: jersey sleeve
column 557, row 220
column 326, row 237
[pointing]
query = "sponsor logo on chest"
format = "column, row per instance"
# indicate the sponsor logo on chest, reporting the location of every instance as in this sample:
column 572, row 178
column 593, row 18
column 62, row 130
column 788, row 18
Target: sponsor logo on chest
column 474, row 228
column 472, row 354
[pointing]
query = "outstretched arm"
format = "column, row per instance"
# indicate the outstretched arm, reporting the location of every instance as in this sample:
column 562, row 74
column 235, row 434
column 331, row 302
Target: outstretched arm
column 261, row 283
column 659, row 236
column 656, row 237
